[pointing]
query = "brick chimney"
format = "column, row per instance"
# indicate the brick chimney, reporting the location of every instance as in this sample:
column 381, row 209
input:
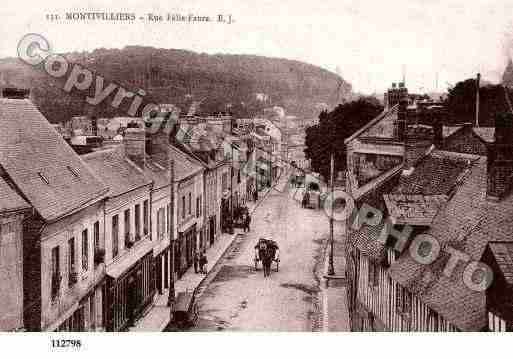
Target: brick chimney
column 500, row 158
column 417, row 138
column 134, row 142
column 418, row 141
column 402, row 120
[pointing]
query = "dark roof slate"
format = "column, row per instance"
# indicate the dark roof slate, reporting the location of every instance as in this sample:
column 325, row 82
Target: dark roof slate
column 114, row 169
column 9, row 199
column 51, row 176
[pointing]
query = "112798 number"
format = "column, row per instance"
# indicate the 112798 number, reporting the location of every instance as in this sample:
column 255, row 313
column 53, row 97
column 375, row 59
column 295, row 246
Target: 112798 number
column 66, row 343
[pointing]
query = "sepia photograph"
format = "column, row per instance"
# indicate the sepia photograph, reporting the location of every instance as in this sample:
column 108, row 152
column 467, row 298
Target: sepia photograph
column 185, row 168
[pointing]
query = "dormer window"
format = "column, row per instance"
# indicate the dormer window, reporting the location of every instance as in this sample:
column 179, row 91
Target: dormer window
column 73, row 172
column 43, row 178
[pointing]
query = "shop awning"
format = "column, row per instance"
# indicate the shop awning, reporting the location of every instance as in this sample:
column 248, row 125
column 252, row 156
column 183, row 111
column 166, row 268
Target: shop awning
column 135, row 253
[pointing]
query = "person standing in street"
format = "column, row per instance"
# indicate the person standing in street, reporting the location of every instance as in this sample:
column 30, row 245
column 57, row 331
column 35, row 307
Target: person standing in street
column 247, row 222
column 203, row 263
column 196, row 259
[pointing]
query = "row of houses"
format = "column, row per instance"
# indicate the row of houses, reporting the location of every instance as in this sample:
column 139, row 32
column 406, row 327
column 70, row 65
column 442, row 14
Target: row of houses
column 86, row 242
column 451, row 185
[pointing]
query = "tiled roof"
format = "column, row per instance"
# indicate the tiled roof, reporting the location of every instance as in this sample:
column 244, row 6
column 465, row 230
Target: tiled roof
column 9, row 199
column 114, row 169
column 390, row 112
column 435, row 174
column 487, row 134
column 42, row 165
column 413, row 209
column 503, row 254
column 185, row 165
column 466, row 223
column 366, row 240
column 449, row 130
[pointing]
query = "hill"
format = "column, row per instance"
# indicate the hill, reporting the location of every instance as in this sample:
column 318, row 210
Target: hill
column 178, row 77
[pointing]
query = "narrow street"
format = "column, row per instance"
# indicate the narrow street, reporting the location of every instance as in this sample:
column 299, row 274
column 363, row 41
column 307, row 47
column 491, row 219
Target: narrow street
column 236, row 297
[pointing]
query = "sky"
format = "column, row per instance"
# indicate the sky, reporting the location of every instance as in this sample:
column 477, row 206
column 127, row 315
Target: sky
column 369, row 43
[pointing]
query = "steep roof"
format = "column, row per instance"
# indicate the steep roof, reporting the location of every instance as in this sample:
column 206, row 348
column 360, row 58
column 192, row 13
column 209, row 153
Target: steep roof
column 486, row 134
column 114, row 169
column 503, row 254
column 9, row 199
column 390, row 112
column 41, row 164
column 467, row 223
column 185, row 165
column 435, row 174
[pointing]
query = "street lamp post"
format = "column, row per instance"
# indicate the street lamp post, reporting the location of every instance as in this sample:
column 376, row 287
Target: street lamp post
column 331, row 269
column 171, row 295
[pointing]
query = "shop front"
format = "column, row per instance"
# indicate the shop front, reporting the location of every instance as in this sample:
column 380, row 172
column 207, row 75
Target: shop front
column 163, row 270
column 185, row 248
column 130, row 291
column 212, row 229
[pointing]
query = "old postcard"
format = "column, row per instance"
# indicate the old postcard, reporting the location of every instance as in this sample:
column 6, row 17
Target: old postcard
column 239, row 166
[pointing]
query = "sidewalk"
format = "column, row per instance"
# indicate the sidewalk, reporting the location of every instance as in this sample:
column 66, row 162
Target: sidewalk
column 334, row 292
column 158, row 316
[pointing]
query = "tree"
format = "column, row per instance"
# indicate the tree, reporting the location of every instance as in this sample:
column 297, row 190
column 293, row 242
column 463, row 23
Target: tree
column 461, row 103
column 334, row 127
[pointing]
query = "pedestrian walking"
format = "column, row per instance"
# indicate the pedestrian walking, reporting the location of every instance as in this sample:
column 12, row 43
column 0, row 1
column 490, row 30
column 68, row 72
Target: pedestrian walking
column 247, row 223
column 203, row 263
column 196, row 259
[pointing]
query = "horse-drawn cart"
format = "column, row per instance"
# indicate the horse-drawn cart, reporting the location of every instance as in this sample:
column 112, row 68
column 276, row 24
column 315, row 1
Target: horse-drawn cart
column 267, row 251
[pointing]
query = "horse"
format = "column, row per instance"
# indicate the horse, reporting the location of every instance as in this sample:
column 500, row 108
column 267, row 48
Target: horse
column 266, row 262
column 268, row 258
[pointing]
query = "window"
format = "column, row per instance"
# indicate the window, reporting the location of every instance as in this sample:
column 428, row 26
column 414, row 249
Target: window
column 43, row 178
column 96, row 234
column 71, row 260
column 161, row 217
column 85, row 250
column 169, row 219
column 137, row 218
column 145, row 217
column 183, row 207
column 127, row 225
column 73, row 172
column 224, row 181
column 197, row 207
column 56, row 272
column 115, row 236
column 238, row 176
column 190, row 204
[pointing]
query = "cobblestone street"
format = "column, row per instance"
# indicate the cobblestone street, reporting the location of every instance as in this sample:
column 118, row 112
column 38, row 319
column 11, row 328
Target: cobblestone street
column 236, row 297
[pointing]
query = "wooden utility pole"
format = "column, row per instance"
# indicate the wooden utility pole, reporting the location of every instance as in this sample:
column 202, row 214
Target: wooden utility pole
column 331, row 269
column 478, row 80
